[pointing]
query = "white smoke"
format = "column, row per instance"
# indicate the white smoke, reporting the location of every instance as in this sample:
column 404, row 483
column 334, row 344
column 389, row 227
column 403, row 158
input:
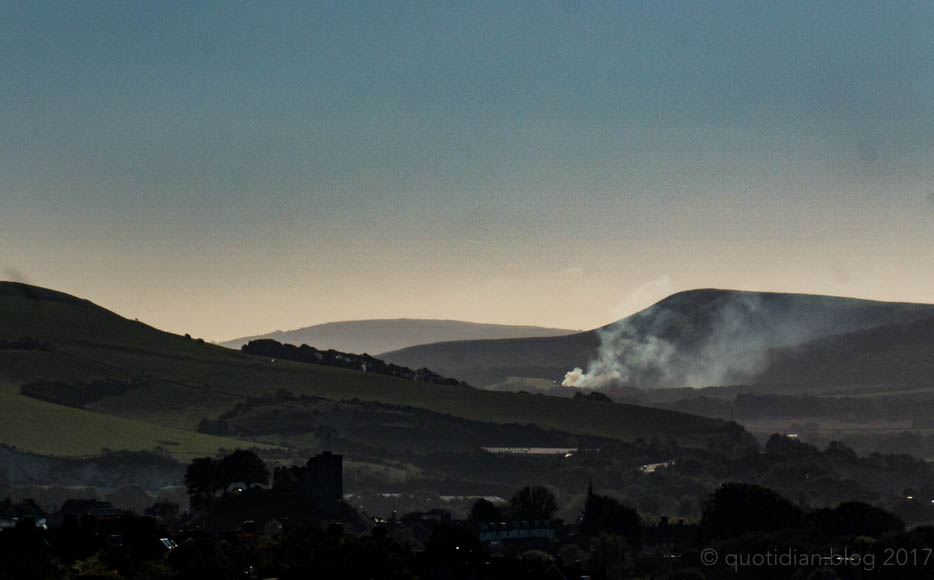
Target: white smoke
column 623, row 357
column 645, row 295
column 724, row 341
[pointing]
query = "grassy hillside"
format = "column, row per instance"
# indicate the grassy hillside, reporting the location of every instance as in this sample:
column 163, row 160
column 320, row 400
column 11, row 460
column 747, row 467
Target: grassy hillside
column 182, row 380
column 49, row 429
column 485, row 362
column 700, row 329
column 378, row 336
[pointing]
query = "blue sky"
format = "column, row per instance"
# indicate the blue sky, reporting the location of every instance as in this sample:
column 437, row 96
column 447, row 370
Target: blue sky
column 231, row 168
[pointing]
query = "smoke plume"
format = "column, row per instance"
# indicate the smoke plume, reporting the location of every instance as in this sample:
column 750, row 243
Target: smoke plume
column 703, row 338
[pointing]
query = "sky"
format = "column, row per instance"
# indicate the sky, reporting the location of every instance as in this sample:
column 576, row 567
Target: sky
column 232, row 168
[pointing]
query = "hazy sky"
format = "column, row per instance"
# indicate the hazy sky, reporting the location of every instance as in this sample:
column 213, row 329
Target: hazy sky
column 232, row 168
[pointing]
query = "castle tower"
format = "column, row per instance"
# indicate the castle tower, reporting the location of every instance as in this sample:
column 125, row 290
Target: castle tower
column 323, row 482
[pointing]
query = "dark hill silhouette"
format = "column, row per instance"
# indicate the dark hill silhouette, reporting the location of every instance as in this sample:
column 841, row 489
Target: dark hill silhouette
column 40, row 295
column 383, row 335
column 102, row 380
column 697, row 338
column 890, row 354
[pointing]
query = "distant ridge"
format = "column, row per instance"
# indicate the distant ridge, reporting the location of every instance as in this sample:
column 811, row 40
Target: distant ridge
column 382, row 335
column 699, row 330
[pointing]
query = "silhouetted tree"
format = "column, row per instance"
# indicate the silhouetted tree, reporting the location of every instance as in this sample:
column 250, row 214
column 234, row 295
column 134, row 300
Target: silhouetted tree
column 605, row 514
column 610, row 556
column 856, row 518
column 203, row 478
column 532, row 502
column 243, row 466
column 784, row 445
column 838, row 449
column 287, row 478
column 593, row 396
column 737, row 508
column 166, row 512
column 484, row 511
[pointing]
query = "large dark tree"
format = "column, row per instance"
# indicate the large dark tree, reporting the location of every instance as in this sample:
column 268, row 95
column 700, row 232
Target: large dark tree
column 856, row 518
column 243, row 466
column 165, row 512
column 532, row 502
column 605, row 514
column 202, row 478
column 287, row 478
column 484, row 511
column 738, row 508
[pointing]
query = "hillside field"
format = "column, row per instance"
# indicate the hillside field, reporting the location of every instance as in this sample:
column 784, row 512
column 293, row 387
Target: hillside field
column 180, row 380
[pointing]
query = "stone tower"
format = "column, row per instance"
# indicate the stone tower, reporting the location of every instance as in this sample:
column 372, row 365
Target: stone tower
column 323, row 482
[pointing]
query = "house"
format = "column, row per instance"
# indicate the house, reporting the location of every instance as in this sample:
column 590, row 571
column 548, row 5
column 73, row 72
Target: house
column 12, row 514
column 422, row 524
column 80, row 508
column 497, row 533
column 667, row 538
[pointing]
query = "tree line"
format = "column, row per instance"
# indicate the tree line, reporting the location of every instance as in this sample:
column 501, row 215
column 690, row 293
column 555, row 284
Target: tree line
column 361, row 362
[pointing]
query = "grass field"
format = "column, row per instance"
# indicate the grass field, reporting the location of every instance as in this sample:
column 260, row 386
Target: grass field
column 49, row 429
column 184, row 380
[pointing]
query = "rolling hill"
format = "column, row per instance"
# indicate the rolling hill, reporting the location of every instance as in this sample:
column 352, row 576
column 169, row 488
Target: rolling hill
column 699, row 338
column 888, row 354
column 377, row 336
column 171, row 383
